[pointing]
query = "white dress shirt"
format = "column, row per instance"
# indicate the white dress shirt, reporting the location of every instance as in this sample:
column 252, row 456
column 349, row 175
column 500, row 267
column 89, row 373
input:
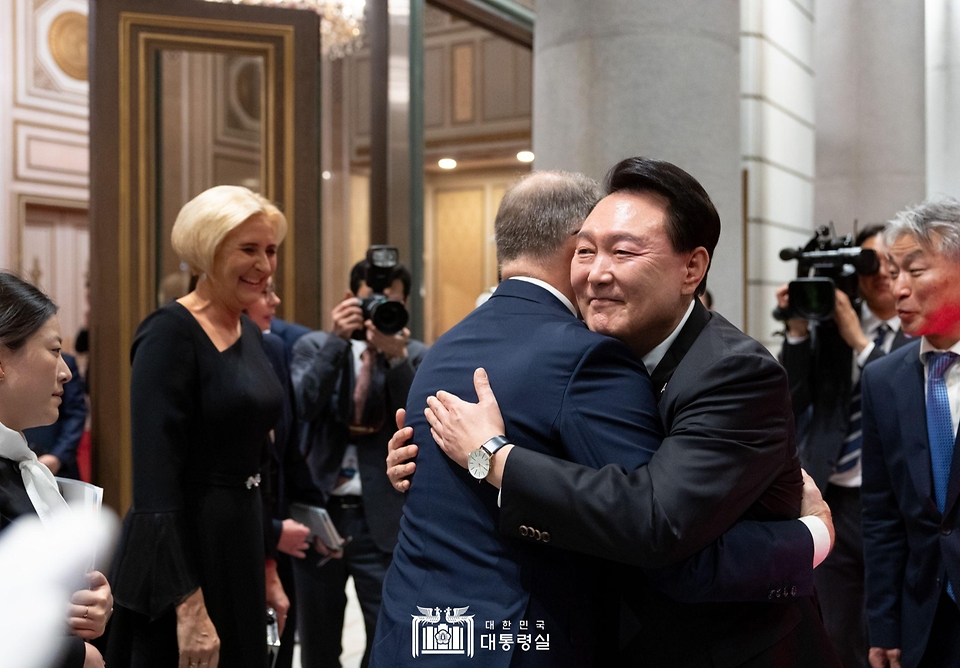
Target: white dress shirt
column 652, row 358
column 549, row 288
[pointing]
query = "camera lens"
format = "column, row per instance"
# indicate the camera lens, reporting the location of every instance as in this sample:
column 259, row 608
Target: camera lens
column 389, row 317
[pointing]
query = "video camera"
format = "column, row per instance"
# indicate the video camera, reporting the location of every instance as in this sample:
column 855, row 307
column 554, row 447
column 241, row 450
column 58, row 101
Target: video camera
column 835, row 263
column 388, row 316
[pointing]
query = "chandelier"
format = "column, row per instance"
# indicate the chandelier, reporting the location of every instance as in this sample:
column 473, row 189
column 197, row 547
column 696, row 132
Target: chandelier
column 341, row 22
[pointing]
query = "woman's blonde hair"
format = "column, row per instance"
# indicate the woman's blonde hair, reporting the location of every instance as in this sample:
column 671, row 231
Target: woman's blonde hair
column 204, row 221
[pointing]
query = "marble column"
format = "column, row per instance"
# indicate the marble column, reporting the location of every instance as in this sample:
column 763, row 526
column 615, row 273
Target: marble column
column 943, row 97
column 619, row 78
column 869, row 66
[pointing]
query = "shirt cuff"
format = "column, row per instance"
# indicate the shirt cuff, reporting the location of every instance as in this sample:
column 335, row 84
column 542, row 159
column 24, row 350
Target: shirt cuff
column 821, row 538
column 796, row 340
column 865, row 354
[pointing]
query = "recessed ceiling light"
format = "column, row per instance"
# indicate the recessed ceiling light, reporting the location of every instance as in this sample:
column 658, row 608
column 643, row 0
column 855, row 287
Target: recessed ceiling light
column 447, row 163
column 326, row 175
column 525, row 156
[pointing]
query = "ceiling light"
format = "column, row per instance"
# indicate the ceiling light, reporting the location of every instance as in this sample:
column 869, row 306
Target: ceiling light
column 447, row 163
column 525, row 156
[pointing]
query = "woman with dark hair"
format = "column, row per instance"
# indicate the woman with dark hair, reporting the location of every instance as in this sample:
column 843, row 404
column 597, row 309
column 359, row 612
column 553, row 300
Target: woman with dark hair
column 192, row 580
column 32, row 376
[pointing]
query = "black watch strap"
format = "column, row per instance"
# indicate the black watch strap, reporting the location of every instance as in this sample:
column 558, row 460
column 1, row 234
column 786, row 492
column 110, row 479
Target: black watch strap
column 495, row 444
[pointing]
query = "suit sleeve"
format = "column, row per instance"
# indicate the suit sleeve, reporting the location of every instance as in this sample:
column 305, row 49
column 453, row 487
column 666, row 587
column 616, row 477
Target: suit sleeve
column 885, row 546
column 609, row 413
column 778, row 558
column 728, row 442
column 399, row 379
column 317, row 362
column 73, row 417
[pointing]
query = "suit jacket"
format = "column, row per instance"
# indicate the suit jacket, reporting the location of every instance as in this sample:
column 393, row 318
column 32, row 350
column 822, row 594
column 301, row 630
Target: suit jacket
column 729, row 455
column 910, row 547
column 288, row 476
column 62, row 438
column 323, row 382
column 563, row 390
column 820, row 381
column 289, row 333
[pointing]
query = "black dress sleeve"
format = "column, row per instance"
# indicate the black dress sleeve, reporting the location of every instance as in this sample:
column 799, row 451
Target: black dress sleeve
column 157, row 567
column 74, row 653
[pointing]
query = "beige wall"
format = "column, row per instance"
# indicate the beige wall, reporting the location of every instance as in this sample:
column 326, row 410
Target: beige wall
column 45, row 148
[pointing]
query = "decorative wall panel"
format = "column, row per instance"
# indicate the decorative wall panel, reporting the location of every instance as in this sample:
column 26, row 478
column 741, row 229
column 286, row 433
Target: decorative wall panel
column 49, row 155
column 50, row 55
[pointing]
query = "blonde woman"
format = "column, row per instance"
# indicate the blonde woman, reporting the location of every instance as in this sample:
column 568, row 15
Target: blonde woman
column 190, row 575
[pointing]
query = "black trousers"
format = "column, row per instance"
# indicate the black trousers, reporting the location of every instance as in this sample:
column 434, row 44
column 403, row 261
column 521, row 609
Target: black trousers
column 321, row 598
column 839, row 579
column 943, row 645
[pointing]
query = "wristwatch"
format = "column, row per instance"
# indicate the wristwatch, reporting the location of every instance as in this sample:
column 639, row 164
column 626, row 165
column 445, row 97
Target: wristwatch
column 478, row 461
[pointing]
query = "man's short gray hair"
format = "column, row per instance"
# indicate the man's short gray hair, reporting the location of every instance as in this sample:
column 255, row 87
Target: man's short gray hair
column 539, row 213
column 935, row 224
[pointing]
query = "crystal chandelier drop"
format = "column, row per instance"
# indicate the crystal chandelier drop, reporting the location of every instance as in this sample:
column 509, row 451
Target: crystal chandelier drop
column 341, row 22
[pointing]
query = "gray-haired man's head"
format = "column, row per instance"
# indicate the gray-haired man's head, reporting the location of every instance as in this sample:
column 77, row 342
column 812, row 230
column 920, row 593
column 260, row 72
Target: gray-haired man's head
column 923, row 244
column 539, row 214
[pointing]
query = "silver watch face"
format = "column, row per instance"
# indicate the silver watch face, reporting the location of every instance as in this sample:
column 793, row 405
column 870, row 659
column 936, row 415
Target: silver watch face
column 478, row 463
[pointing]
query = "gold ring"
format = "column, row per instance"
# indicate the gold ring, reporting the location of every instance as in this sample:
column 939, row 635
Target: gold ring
column 86, row 611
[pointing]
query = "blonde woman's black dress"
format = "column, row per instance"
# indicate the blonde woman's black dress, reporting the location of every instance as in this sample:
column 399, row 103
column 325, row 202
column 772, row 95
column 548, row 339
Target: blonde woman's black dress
column 200, row 422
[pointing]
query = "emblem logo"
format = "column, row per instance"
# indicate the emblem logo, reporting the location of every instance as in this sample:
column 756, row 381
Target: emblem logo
column 454, row 635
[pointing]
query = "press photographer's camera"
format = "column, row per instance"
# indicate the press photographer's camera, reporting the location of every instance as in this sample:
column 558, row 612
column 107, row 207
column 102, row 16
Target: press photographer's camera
column 388, row 316
column 826, row 263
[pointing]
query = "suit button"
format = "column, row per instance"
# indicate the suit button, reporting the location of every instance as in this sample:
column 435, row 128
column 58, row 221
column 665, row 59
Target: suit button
column 779, row 593
column 545, row 537
column 945, row 531
column 793, row 592
column 523, row 531
column 770, row 595
column 537, row 534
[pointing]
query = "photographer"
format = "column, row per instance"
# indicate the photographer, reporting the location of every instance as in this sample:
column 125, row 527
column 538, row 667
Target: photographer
column 823, row 362
column 348, row 385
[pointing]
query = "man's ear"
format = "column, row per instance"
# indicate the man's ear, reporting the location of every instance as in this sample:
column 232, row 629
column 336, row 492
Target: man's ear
column 697, row 264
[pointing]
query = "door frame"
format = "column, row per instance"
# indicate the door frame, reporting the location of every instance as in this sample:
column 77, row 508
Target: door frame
column 124, row 36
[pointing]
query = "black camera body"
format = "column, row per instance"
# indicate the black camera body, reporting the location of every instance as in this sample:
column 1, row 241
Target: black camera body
column 388, row 316
column 834, row 263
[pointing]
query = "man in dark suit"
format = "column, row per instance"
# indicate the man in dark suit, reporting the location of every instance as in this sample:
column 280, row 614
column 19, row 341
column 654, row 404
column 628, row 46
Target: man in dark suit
column 824, row 383
column 754, row 560
column 911, row 462
column 347, row 384
column 288, row 332
column 56, row 445
column 640, row 262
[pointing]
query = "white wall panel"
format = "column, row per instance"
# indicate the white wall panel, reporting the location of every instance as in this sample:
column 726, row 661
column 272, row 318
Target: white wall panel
column 765, row 243
column 780, row 197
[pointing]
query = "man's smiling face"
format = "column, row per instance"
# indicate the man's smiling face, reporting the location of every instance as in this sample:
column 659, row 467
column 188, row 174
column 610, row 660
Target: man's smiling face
column 630, row 283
